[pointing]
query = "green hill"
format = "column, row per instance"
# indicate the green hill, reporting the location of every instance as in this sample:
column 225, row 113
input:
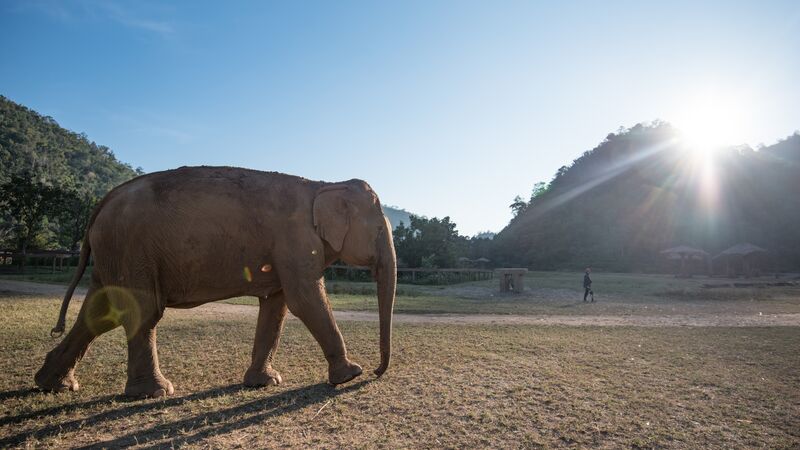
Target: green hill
column 36, row 145
column 49, row 178
column 641, row 191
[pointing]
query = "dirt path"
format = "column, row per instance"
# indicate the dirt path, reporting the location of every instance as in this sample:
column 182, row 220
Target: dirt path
column 708, row 320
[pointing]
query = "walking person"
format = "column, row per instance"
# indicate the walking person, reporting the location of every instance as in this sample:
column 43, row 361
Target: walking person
column 587, row 285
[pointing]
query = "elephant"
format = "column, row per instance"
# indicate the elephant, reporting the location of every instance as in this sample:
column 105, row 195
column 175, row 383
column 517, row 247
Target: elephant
column 184, row 237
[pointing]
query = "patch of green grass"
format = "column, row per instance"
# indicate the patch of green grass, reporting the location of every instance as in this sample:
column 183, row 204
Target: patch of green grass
column 558, row 293
column 449, row 386
column 403, row 304
column 45, row 275
column 554, row 293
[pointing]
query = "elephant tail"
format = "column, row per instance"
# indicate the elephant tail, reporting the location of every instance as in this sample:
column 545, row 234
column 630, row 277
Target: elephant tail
column 83, row 261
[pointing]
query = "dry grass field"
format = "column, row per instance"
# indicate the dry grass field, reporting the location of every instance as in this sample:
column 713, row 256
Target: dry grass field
column 449, row 386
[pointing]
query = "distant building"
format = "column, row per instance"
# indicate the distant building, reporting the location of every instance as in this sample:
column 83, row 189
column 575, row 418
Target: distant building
column 745, row 259
column 688, row 261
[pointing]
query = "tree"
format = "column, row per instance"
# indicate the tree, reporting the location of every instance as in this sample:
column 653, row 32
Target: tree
column 539, row 189
column 27, row 202
column 518, row 206
column 480, row 247
column 428, row 242
column 73, row 213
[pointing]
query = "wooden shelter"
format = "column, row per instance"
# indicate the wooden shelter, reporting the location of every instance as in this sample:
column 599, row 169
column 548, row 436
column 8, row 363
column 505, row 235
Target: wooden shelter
column 744, row 259
column 688, row 260
column 466, row 262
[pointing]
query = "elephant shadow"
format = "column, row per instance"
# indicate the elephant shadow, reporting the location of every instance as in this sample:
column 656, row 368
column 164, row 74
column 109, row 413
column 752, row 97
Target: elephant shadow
column 173, row 434
column 18, row 393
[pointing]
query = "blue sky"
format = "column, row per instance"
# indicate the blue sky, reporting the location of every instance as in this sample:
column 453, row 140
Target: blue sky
column 445, row 108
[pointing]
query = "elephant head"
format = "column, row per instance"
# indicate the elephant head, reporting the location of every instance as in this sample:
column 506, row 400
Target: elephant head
column 349, row 218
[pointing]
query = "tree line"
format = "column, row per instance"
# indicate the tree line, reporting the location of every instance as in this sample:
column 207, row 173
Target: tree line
column 43, row 216
column 435, row 243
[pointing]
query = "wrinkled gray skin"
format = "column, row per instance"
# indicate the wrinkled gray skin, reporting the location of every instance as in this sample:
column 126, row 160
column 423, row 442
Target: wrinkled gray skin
column 184, row 237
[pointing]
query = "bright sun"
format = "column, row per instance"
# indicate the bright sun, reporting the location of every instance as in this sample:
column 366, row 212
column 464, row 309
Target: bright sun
column 709, row 123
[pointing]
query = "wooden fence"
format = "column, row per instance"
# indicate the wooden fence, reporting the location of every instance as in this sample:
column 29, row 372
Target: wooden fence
column 35, row 262
column 407, row 275
column 52, row 261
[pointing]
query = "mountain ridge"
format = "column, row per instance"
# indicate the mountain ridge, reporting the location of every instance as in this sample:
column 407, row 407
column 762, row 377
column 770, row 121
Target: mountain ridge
column 641, row 190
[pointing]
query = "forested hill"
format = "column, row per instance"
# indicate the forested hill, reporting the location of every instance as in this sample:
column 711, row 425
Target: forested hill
column 35, row 145
column 641, row 191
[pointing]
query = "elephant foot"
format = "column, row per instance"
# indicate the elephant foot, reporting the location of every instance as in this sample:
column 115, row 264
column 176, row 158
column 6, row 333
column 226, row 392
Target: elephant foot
column 258, row 378
column 48, row 381
column 343, row 372
column 149, row 388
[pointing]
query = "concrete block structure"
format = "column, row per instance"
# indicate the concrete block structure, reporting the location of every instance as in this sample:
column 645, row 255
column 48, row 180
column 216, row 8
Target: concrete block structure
column 511, row 279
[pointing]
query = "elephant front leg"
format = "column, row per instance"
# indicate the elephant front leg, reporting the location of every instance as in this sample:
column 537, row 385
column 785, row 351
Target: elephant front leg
column 308, row 301
column 271, row 315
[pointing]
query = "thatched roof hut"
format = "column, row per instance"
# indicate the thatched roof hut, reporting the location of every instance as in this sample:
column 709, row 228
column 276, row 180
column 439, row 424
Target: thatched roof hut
column 742, row 250
column 688, row 257
column 684, row 251
column 741, row 259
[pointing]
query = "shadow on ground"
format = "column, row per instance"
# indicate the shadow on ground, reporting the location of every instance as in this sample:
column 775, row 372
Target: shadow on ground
column 174, row 433
column 16, row 394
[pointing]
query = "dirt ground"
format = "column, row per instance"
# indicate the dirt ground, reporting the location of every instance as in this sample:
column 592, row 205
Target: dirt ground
column 660, row 365
column 681, row 314
column 449, row 386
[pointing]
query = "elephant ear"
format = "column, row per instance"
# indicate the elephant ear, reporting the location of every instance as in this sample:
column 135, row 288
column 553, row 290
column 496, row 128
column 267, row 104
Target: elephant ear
column 331, row 215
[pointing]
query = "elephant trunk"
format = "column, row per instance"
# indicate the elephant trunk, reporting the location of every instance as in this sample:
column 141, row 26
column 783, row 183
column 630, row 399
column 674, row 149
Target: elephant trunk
column 386, row 276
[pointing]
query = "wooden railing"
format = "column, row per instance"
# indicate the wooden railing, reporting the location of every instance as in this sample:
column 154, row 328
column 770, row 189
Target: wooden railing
column 12, row 261
column 414, row 275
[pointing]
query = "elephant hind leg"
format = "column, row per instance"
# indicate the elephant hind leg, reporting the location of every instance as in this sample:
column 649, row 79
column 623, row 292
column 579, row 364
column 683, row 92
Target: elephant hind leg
column 271, row 315
column 144, row 374
column 95, row 318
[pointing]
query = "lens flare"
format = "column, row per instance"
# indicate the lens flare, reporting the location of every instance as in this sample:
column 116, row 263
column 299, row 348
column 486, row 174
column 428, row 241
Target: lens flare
column 248, row 276
column 112, row 306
